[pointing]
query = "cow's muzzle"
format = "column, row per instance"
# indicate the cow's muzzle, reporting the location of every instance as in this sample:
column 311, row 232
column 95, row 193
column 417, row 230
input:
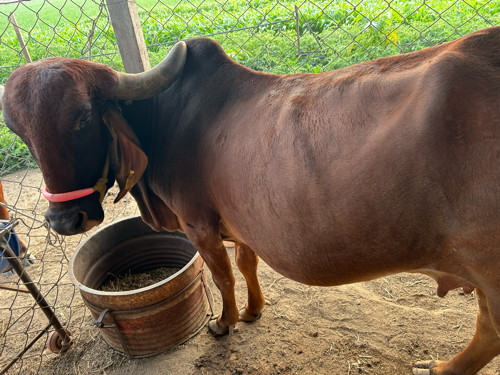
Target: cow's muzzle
column 74, row 220
column 77, row 211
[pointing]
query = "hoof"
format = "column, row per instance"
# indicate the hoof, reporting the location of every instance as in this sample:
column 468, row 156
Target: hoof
column 216, row 330
column 423, row 367
column 245, row 316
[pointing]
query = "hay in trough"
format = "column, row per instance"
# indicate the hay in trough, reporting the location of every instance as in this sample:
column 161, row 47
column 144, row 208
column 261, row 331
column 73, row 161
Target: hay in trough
column 131, row 281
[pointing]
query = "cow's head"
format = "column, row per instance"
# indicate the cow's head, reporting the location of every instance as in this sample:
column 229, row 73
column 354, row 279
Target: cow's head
column 66, row 111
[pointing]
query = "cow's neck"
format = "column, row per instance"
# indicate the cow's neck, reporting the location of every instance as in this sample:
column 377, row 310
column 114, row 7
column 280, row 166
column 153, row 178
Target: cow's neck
column 140, row 115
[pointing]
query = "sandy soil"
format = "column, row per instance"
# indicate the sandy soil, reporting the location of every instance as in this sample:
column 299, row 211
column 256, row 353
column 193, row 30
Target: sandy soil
column 376, row 327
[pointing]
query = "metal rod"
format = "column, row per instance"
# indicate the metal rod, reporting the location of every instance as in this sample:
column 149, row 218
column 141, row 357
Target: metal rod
column 297, row 28
column 208, row 292
column 14, row 288
column 309, row 29
column 39, row 299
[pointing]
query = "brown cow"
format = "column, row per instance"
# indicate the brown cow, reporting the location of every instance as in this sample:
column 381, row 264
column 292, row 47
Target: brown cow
column 387, row 166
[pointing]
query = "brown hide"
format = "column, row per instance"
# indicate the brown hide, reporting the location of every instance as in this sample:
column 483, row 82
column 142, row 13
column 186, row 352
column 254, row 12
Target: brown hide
column 4, row 214
column 386, row 166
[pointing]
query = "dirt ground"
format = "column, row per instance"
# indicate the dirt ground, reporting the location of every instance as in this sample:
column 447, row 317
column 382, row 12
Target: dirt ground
column 376, row 327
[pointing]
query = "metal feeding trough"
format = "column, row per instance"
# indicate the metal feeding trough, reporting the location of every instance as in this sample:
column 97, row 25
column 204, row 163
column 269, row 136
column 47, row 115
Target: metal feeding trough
column 151, row 319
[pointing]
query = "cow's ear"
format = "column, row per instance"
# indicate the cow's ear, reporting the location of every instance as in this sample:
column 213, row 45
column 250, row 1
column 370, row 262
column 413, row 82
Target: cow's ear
column 128, row 159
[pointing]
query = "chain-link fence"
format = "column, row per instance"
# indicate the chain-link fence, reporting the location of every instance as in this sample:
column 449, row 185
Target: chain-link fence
column 292, row 36
column 273, row 36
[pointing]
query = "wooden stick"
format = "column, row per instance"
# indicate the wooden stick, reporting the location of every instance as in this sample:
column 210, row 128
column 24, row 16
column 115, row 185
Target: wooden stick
column 14, row 288
column 20, row 39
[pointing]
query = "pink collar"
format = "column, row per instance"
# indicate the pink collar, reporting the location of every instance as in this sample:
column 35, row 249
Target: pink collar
column 64, row 197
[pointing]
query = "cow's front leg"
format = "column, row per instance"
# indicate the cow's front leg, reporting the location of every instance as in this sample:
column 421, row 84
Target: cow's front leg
column 212, row 250
column 247, row 262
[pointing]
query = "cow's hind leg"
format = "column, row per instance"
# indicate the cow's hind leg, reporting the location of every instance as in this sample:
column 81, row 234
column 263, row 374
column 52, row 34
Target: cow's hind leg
column 485, row 344
column 247, row 262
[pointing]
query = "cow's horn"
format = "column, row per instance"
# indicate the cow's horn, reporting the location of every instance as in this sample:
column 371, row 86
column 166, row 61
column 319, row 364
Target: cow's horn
column 1, row 96
column 152, row 82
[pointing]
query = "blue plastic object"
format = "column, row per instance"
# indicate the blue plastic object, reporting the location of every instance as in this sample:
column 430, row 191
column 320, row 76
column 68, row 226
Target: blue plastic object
column 14, row 245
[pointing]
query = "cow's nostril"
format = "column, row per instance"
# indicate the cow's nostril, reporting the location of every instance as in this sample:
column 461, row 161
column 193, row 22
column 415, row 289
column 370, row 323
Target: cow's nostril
column 67, row 222
column 79, row 224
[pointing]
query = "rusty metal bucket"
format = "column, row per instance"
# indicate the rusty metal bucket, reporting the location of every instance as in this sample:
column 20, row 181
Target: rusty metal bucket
column 149, row 320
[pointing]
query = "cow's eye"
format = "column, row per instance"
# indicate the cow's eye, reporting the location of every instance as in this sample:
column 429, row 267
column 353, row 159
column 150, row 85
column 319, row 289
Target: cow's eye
column 84, row 121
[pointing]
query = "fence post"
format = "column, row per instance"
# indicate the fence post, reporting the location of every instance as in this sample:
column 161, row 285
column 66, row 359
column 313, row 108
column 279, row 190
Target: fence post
column 128, row 31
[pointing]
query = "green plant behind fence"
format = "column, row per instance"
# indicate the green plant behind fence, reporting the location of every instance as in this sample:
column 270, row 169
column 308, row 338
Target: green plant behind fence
column 15, row 154
column 339, row 32
column 260, row 34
